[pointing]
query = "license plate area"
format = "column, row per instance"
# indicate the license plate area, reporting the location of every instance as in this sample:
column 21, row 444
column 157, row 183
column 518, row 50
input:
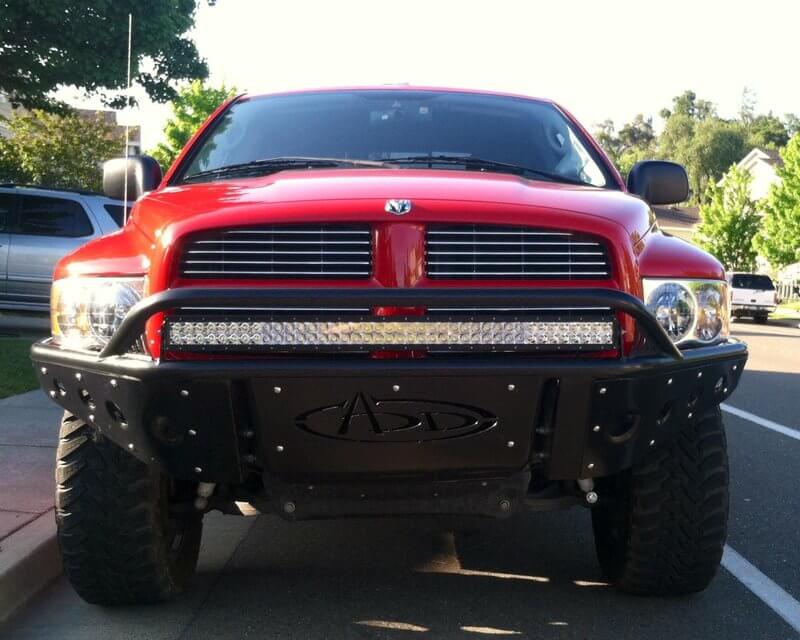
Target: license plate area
column 390, row 425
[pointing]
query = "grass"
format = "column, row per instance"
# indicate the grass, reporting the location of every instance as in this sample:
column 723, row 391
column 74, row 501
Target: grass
column 16, row 370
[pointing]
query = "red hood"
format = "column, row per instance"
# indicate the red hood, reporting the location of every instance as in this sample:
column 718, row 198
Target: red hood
column 247, row 200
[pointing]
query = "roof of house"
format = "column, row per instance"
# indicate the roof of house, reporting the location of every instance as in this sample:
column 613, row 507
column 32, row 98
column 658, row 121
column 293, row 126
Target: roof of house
column 770, row 156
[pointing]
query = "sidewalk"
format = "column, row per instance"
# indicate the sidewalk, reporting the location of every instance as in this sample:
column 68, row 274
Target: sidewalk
column 28, row 438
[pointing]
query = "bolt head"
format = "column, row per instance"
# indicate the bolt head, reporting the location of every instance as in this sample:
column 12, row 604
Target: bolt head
column 113, row 383
column 699, row 374
column 669, row 381
column 198, row 469
column 192, row 432
column 78, row 376
column 690, row 414
column 276, row 389
column 591, row 497
column 52, row 394
column 43, row 370
column 512, row 387
column 130, row 446
column 395, row 388
column 184, row 393
column 510, row 444
column 505, row 505
column 590, row 465
column 279, row 448
column 652, row 443
column 596, row 428
column 735, row 367
column 603, row 391
column 91, row 417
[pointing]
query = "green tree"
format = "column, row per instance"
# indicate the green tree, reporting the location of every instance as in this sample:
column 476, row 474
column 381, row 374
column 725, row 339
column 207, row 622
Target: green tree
column 687, row 104
column 45, row 44
column 766, row 131
column 57, row 150
column 191, row 107
column 730, row 221
column 634, row 142
column 779, row 239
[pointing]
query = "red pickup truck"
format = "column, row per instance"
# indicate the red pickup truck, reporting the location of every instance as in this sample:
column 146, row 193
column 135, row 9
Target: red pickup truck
column 389, row 300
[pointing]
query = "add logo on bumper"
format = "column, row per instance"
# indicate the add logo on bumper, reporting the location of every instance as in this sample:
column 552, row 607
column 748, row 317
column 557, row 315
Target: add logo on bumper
column 364, row 418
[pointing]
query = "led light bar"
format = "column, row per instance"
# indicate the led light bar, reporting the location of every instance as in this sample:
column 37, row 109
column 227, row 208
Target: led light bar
column 188, row 335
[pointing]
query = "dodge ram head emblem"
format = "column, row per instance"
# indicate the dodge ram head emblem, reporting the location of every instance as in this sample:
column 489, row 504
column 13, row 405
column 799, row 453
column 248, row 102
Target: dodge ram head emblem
column 398, row 207
column 364, row 418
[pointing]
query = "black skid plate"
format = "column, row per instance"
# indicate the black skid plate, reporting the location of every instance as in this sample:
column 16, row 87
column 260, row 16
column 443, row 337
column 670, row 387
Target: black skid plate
column 396, row 425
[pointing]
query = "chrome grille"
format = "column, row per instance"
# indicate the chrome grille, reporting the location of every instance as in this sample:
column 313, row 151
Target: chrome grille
column 475, row 252
column 297, row 251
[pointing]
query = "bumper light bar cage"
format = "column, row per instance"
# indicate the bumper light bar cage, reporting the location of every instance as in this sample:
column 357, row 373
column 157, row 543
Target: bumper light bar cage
column 316, row 335
column 195, row 333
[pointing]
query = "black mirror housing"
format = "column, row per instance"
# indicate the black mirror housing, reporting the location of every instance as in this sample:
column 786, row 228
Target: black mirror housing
column 144, row 174
column 659, row 182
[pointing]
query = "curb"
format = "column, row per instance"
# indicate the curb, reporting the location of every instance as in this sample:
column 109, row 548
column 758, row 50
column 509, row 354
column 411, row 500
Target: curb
column 29, row 561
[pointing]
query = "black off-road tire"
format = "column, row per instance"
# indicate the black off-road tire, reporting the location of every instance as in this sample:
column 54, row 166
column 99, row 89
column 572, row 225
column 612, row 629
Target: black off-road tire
column 663, row 526
column 118, row 541
column 761, row 318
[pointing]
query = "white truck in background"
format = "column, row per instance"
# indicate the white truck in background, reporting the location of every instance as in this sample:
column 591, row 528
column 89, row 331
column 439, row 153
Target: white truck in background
column 752, row 295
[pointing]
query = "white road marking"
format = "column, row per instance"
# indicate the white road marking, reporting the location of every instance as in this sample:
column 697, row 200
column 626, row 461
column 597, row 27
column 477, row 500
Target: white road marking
column 762, row 587
column 762, row 422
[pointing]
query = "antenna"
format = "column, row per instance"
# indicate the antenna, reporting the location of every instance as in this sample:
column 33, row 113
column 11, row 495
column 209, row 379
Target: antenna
column 127, row 121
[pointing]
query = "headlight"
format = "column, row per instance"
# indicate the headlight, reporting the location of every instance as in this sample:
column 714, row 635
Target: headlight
column 85, row 312
column 689, row 310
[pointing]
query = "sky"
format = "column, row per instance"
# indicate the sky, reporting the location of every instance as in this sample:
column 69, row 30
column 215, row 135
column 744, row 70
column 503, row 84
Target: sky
column 600, row 59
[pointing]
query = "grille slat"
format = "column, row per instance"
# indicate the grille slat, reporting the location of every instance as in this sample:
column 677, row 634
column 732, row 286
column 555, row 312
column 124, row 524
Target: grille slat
column 285, row 251
column 475, row 252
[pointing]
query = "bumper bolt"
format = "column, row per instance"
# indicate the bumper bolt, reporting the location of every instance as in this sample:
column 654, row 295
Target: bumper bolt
column 690, row 414
column 198, row 469
column 699, row 374
column 91, row 417
column 596, row 428
column 603, row 391
column 43, row 370
column 510, row 444
column 505, row 505
column 192, row 432
column 78, row 376
column 289, row 507
column 52, row 394
column 591, row 497
column 113, row 383
column 248, row 434
column 669, row 382
column 277, row 389
column 512, row 387
column 590, row 465
column 652, row 443
column 184, row 393
column 130, row 446
column 395, row 388
column 279, row 448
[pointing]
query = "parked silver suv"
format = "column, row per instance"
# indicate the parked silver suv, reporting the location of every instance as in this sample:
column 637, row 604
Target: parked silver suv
column 37, row 227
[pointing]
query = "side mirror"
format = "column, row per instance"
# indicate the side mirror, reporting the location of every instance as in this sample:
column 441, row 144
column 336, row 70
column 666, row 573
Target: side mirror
column 659, row 182
column 144, row 174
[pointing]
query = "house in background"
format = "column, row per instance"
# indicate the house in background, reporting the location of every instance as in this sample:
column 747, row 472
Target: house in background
column 762, row 165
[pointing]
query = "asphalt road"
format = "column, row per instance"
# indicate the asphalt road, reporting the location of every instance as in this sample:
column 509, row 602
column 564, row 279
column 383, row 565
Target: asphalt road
column 535, row 576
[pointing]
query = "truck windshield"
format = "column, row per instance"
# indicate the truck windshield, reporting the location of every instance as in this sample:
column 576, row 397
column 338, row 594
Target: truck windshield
column 397, row 128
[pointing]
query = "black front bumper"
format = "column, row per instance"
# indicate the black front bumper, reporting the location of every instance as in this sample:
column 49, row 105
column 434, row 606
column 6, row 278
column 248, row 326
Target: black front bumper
column 473, row 416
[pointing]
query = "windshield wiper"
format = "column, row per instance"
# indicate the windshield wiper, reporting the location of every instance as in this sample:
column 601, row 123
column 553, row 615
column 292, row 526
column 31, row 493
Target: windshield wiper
column 471, row 162
column 271, row 165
